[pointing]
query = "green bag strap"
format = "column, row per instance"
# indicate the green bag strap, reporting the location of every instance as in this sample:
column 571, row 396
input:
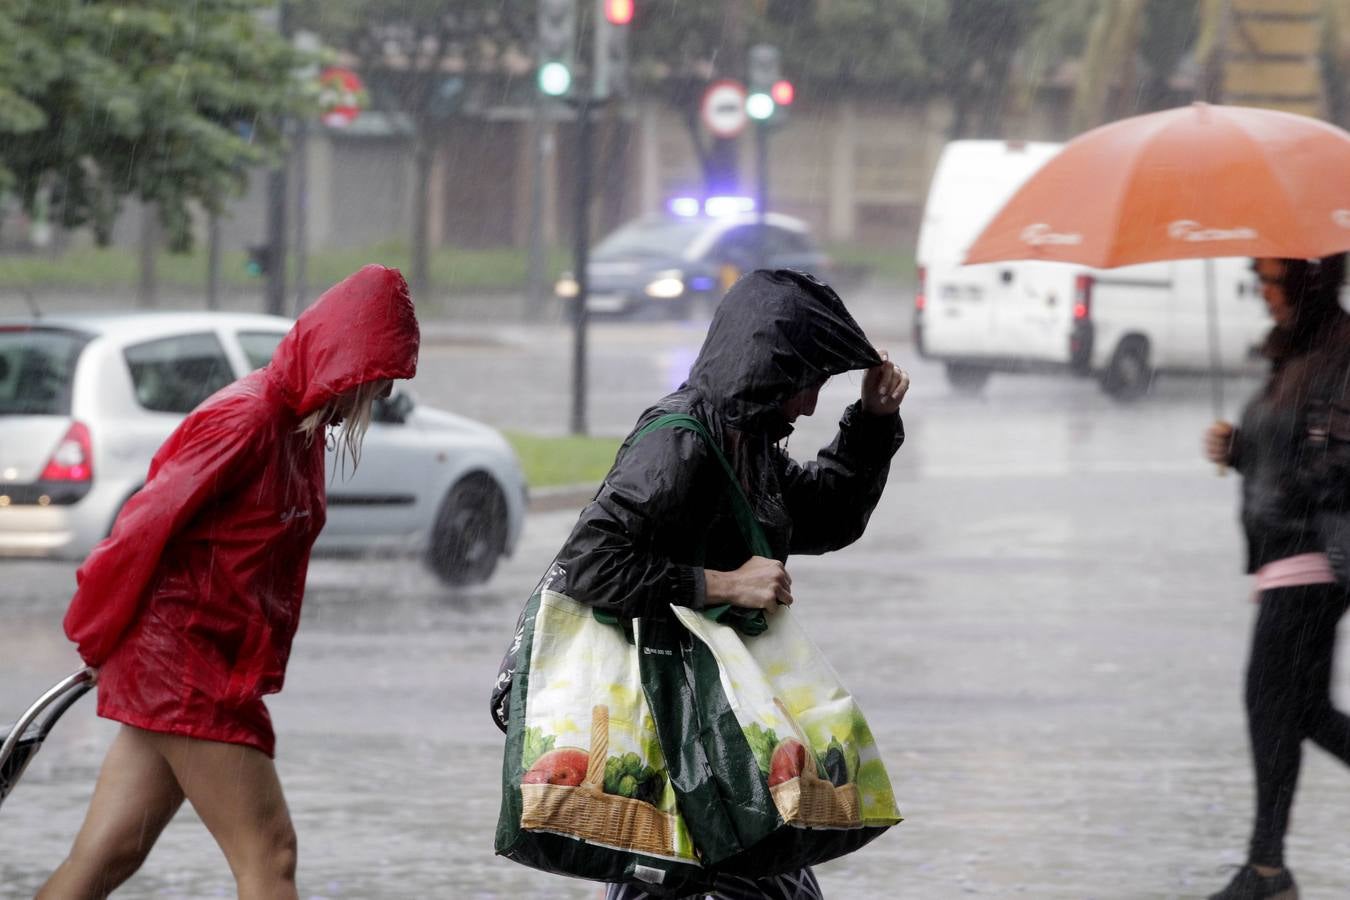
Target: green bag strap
column 747, row 621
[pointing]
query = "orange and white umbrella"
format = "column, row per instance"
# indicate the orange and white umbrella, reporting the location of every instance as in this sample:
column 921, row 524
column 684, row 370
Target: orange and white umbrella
column 1200, row 181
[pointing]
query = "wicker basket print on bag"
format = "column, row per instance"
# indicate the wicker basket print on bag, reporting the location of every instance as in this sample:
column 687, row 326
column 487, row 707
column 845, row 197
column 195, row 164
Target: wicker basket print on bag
column 809, row 800
column 587, row 812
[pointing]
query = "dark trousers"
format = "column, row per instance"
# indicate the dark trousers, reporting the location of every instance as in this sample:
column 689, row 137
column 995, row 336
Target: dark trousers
column 792, row 886
column 1288, row 700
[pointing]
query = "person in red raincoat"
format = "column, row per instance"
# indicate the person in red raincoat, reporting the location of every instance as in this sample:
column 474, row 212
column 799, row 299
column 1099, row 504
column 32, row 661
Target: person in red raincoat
column 188, row 608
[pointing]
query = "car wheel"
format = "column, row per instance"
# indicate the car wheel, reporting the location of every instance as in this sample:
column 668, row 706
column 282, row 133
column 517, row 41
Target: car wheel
column 1129, row 376
column 470, row 532
column 967, row 379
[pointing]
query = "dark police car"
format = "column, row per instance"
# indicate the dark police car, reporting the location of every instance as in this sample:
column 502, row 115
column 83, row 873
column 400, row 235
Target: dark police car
column 678, row 264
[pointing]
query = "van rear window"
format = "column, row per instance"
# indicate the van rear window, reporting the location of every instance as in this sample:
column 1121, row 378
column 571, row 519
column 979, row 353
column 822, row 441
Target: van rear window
column 37, row 366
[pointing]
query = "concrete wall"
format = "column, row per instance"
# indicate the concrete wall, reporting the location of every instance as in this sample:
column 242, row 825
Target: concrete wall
column 856, row 170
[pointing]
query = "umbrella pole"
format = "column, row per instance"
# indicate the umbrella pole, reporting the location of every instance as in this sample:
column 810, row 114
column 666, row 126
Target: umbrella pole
column 1215, row 356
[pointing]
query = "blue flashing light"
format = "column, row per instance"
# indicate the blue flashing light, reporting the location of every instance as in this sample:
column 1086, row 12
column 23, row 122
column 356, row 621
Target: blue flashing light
column 702, row 283
column 725, row 205
column 686, row 207
column 728, row 206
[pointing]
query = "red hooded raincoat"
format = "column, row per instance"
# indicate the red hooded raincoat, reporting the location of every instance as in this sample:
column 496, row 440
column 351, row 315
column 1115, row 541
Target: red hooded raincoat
column 188, row 608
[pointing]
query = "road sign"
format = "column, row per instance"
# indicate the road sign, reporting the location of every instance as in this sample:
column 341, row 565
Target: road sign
column 342, row 96
column 723, row 108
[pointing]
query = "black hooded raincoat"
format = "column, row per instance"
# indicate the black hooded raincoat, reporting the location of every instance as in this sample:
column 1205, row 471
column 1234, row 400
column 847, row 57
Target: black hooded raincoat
column 664, row 512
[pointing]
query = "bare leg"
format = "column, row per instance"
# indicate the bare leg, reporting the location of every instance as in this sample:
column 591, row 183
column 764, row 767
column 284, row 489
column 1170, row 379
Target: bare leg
column 236, row 792
column 135, row 797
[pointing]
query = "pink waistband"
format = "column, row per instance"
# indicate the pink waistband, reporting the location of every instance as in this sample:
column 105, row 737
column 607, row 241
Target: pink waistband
column 1293, row 571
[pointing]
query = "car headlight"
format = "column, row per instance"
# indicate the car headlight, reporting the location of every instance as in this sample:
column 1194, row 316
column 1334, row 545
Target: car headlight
column 666, row 285
column 566, row 287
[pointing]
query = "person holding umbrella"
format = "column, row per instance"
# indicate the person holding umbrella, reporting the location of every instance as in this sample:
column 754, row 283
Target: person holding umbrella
column 1293, row 451
column 1203, row 182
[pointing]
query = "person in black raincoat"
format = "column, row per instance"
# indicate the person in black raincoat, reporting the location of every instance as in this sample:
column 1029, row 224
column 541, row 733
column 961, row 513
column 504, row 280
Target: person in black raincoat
column 661, row 529
column 1293, row 451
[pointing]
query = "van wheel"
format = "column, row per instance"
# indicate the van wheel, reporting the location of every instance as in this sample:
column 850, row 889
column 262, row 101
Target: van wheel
column 1129, row 376
column 470, row 532
column 967, row 379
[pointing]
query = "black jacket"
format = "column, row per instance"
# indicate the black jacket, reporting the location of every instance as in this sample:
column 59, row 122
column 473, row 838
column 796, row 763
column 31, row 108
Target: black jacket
column 663, row 513
column 1293, row 446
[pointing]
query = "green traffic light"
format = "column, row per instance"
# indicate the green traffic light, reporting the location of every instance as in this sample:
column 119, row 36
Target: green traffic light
column 759, row 106
column 554, row 79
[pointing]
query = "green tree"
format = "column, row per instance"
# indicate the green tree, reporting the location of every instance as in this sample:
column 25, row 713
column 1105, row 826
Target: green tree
column 158, row 99
column 972, row 57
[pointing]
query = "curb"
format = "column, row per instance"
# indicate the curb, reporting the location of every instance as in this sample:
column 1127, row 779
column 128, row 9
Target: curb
column 557, row 498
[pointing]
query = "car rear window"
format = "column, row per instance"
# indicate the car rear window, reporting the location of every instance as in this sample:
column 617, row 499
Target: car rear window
column 37, row 366
column 175, row 374
column 258, row 346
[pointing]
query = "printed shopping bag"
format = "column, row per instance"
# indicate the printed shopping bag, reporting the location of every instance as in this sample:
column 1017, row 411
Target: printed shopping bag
column 585, row 787
column 778, row 714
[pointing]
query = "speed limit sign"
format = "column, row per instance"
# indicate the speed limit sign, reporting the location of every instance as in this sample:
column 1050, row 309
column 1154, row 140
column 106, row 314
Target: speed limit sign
column 723, row 108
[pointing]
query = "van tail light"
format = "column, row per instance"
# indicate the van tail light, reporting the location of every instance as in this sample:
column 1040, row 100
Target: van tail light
column 73, row 458
column 1082, row 297
column 920, row 298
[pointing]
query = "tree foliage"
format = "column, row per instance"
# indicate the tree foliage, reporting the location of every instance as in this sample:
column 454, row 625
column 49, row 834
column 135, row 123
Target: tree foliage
column 169, row 101
column 419, row 57
column 408, row 51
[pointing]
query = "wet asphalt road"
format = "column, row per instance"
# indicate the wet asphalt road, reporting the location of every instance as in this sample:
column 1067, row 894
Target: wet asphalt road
column 1046, row 623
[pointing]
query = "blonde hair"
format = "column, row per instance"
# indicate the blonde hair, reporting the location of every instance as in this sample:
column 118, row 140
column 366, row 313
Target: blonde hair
column 356, row 407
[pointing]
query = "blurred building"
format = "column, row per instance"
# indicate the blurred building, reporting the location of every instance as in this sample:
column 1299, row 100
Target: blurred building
column 856, row 170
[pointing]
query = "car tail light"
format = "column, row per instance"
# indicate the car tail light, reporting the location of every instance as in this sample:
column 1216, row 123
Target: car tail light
column 920, row 300
column 73, row 458
column 1082, row 297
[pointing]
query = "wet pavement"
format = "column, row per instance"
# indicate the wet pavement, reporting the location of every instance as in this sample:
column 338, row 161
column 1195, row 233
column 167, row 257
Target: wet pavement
column 1046, row 623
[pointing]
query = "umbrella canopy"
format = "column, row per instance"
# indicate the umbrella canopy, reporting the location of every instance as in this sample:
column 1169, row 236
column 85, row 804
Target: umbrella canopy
column 1195, row 182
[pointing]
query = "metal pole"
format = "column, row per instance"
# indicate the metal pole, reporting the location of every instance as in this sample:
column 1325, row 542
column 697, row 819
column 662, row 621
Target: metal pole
column 581, row 261
column 762, row 192
column 301, row 215
column 150, row 237
column 213, row 261
column 274, row 297
column 534, row 289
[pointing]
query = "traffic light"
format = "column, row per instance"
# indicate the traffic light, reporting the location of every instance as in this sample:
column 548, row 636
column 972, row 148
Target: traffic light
column 611, row 47
column 260, row 258
column 557, row 46
column 618, row 12
column 764, row 73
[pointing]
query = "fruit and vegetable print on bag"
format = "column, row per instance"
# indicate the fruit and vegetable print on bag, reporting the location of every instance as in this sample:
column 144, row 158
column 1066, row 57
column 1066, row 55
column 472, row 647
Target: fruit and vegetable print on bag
column 786, row 740
column 585, row 785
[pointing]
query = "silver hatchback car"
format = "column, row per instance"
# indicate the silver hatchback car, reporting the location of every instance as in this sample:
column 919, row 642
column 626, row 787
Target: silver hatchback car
column 85, row 401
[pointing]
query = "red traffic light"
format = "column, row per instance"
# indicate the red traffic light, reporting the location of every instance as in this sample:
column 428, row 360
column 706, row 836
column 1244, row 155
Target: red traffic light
column 618, row 12
column 782, row 92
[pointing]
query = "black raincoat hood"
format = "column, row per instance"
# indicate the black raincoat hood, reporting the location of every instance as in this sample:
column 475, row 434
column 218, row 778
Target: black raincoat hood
column 775, row 334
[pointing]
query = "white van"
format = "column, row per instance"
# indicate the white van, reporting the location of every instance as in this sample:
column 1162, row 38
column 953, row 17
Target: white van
column 1119, row 325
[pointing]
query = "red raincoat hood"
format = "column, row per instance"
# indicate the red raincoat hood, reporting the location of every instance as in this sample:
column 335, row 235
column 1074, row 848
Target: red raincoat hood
column 361, row 329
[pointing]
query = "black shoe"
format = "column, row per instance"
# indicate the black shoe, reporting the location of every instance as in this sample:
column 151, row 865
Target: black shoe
column 1248, row 884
